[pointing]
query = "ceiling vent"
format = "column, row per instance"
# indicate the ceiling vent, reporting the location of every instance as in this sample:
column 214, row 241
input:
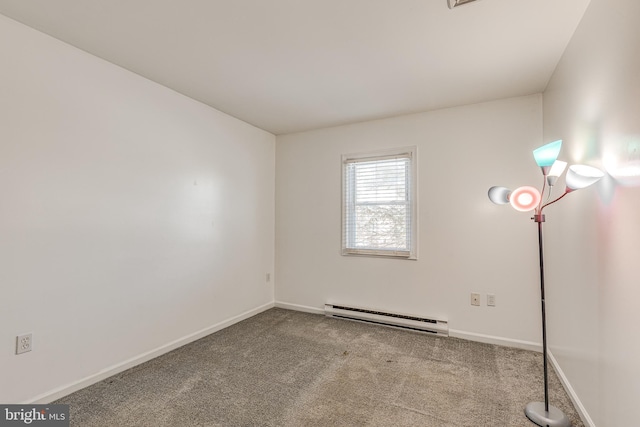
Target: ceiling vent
column 456, row 3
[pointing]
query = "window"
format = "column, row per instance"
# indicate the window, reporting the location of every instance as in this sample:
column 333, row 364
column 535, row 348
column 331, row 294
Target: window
column 379, row 204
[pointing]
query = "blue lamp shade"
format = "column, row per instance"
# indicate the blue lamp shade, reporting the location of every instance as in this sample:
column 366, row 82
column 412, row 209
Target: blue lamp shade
column 581, row 176
column 499, row 195
column 547, row 154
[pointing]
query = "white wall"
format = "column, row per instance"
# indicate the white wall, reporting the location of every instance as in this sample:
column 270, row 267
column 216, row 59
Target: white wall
column 463, row 245
column 130, row 216
column 593, row 238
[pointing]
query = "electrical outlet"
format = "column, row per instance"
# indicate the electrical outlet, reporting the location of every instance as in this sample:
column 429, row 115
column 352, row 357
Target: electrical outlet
column 475, row 298
column 491, row 300
column 24, row 343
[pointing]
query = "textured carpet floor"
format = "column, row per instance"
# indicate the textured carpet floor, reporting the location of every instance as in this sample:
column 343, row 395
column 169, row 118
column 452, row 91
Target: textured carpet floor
column 286, row 368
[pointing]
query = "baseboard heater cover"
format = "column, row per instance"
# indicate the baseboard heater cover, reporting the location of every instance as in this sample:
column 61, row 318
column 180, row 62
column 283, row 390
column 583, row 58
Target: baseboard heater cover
column 395, row 320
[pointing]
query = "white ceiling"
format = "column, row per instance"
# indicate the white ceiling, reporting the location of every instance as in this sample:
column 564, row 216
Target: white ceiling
column 294, row 65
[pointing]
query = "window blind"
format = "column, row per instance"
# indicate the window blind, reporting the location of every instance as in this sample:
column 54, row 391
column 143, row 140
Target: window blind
column 378, row 205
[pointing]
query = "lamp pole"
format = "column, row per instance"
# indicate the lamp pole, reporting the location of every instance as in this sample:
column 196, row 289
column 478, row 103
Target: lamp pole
column 540, row 219
column 542, row 413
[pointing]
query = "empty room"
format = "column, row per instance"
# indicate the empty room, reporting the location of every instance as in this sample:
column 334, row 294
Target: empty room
column 319, row 213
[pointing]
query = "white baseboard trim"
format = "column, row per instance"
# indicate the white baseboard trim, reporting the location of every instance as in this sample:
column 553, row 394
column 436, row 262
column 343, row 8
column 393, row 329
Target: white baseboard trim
column 471, row 336
column 491, row 339
column 298, row 307
column 577, row 403
column 67, row 389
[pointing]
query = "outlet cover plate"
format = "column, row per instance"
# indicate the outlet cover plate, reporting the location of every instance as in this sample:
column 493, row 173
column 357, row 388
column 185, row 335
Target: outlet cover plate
column 475, row 298
column 491, row 300
column 24, row 343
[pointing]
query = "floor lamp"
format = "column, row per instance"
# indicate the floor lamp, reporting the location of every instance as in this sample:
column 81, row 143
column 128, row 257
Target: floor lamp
column 530, row 199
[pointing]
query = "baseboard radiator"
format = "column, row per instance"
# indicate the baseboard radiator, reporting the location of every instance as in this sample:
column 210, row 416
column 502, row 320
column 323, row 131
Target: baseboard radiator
column 394, row 320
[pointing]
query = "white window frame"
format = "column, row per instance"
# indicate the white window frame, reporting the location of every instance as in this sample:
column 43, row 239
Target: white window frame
column 348, row 203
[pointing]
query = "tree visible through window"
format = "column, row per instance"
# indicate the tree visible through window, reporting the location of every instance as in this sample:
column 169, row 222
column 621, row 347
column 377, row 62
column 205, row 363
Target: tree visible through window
column 379, row 205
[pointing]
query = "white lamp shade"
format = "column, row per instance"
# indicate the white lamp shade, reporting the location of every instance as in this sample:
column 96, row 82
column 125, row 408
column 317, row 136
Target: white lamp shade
column 557, row 168
column 499, row 195
column 525, row 198
column 581, row 176
column 555, row 171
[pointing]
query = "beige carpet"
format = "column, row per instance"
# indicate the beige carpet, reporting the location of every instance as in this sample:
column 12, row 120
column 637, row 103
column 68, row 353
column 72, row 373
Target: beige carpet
column 286, row 368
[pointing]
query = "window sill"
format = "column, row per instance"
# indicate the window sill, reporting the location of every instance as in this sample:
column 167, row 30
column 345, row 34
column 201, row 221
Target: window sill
column 379, row 254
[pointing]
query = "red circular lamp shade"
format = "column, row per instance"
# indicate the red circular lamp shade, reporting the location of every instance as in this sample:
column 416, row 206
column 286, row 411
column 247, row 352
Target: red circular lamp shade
column 525, row 198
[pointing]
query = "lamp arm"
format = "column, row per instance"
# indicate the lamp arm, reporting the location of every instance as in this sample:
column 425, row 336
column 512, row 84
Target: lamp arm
column 544, row 187
column 548, row 195
column 552, row 202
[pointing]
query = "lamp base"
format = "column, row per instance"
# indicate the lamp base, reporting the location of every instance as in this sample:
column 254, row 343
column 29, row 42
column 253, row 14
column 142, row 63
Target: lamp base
column 554, row 418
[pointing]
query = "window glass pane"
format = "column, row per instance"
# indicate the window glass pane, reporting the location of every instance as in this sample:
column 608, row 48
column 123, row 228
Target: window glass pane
column 381, row 227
